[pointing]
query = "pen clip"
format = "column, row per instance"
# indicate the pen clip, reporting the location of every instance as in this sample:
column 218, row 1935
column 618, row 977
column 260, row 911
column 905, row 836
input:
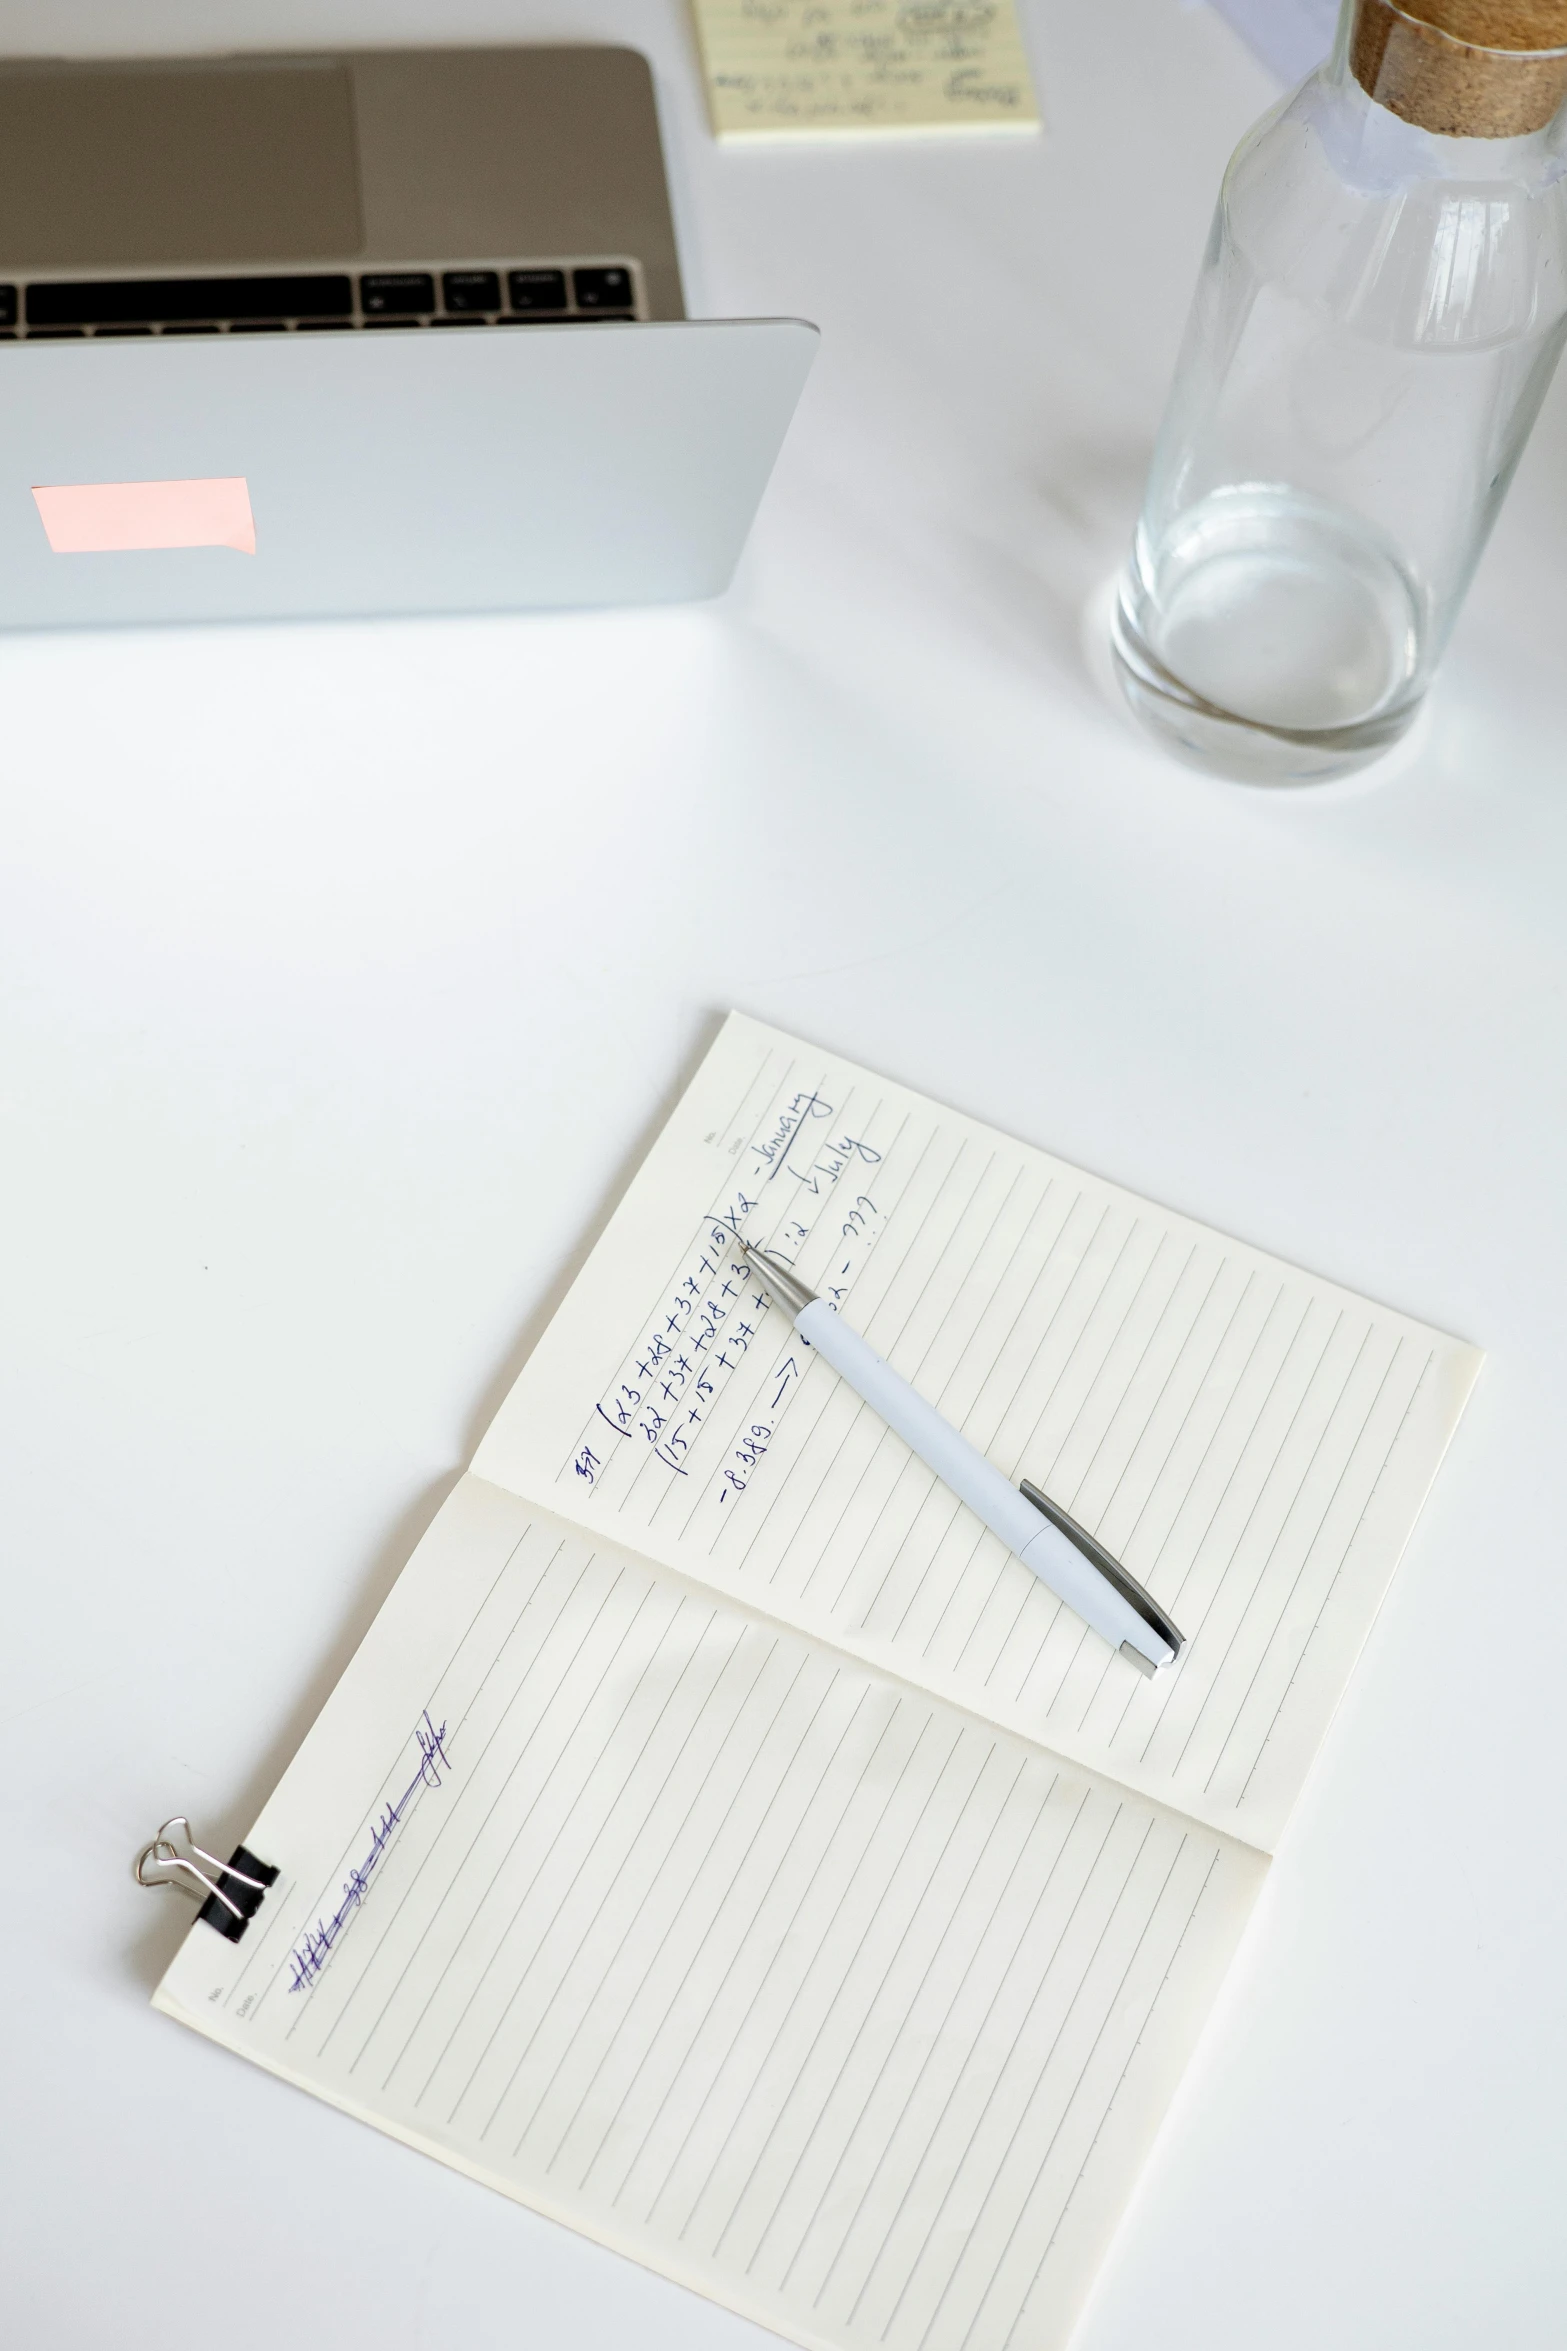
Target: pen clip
column 1109, row 1567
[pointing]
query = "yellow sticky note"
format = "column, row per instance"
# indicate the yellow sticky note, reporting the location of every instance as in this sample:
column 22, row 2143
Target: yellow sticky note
column 813, row 68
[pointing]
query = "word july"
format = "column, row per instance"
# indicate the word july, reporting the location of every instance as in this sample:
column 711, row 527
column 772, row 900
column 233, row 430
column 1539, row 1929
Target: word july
column 311, row 1954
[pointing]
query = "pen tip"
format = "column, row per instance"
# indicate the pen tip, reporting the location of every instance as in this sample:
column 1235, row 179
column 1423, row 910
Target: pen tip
column 781, row 1281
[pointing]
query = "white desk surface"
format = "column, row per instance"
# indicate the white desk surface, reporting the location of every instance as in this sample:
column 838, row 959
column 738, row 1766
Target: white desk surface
column 344, row 972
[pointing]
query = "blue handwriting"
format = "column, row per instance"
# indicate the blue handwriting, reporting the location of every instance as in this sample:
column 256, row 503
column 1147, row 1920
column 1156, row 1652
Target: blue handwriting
column 315, row 1948
column 774, row 1148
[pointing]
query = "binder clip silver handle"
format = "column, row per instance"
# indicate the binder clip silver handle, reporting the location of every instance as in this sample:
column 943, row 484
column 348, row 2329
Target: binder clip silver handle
column 180, row 1867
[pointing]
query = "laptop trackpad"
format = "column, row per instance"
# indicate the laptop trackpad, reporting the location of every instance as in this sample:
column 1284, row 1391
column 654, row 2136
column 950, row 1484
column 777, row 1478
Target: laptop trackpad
column 133, row 166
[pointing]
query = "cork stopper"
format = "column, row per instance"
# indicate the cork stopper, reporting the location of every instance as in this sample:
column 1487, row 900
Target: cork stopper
column 1465, row 69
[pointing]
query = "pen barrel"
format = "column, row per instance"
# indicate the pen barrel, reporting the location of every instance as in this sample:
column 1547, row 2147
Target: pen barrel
column 1043, row 1549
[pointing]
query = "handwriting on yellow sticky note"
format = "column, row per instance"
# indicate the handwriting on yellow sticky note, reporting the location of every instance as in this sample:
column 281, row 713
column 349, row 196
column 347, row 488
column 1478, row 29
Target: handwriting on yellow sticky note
column 787, row 68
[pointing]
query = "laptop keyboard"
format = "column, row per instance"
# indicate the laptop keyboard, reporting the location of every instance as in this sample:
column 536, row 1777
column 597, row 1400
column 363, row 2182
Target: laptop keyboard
column 469, row 294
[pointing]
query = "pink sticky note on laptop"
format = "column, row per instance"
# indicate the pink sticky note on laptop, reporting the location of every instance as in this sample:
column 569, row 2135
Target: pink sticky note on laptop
column 104, row 518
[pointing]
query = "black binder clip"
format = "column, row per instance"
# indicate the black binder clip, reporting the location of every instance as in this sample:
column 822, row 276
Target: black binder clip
column 232, row 1891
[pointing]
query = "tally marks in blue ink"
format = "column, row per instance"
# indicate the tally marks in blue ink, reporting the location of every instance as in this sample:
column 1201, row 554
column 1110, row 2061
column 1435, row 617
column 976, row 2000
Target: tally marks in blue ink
column 311, row 1953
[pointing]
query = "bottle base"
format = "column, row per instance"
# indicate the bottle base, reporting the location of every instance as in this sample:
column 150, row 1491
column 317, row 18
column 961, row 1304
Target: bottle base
column 1246, row 750
column 1269, row 635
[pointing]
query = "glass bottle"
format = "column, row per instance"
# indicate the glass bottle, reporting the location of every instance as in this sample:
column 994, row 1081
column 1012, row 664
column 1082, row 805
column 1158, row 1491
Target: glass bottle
column 1380, row 308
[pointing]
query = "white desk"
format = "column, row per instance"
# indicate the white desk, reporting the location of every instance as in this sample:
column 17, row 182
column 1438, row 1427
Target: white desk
column 344, row 972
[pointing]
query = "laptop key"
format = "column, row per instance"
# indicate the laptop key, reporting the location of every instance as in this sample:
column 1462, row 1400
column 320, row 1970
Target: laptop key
column 400, row 293
column 7, row 306
column 471, row 289
column 602, row 289
column 150, row 301
column 536, row 292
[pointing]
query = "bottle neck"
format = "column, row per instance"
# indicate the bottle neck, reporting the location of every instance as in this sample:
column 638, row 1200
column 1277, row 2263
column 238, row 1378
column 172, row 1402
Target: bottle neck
column 1459, row 69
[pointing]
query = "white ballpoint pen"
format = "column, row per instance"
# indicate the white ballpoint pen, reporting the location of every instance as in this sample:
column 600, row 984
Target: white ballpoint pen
column 1061, row 1553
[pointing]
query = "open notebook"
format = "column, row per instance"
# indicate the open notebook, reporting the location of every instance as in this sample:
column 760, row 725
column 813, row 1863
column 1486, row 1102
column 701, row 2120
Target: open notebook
column 719, row 1842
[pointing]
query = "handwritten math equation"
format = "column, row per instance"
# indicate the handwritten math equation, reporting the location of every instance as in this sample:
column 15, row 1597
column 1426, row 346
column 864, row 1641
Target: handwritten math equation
column 311, row 1953
column 705, row 1326
column 709, row 1319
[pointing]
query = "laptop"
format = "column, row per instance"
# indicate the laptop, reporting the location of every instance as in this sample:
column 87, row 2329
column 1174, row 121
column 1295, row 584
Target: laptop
column 377, row 332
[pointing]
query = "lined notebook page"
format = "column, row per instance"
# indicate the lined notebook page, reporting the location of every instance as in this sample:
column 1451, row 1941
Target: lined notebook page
column 799, row 1985
column 1251, row 1440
